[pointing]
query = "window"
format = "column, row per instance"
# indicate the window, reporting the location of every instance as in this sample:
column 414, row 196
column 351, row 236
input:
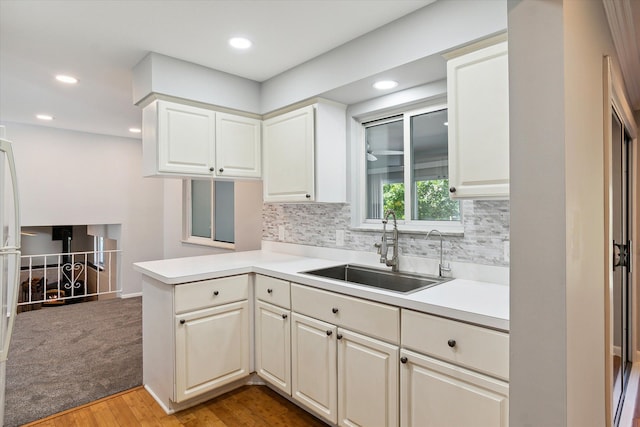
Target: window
column 98, row 252
column 406, row 170
column 209, row 212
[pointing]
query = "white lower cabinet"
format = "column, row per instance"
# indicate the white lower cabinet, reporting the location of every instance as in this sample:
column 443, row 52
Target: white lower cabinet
column 273, row 345
column 345, row 357
column 212, row 349
column 367, row 381
column 350, row 361
column 313, row 366
column 439, row 394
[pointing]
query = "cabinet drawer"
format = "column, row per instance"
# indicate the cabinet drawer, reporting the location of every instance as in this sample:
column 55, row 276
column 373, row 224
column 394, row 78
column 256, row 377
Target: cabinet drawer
column 474, row 347
column 274, row 291
column 209, row 293
column 370, row 318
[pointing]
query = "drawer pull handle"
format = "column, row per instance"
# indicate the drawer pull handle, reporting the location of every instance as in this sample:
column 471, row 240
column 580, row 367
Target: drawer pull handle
column 339, row 336
column 269, row 291
column 334, row 310
column 216, row 293
column 329, row 333
column 404, row 359
column 284, row 316
column 182, row 321
column 451, row 343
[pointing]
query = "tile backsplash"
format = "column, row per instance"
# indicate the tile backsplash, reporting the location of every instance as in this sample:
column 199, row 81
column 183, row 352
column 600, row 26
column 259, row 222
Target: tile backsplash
column 485, row 240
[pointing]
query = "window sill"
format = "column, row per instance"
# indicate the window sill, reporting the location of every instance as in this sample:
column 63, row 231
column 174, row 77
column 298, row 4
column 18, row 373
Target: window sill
column 455, row 230
column 209, row 243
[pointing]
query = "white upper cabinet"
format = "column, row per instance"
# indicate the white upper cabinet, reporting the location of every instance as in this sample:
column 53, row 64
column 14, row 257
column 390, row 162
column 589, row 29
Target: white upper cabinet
column 237, row 146
column 289, row 157
column 478, row 100
column 177, row 139
column 186, row 141
column 305, row 155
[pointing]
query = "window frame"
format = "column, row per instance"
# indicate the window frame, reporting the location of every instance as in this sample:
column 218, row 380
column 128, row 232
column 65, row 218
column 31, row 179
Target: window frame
column 187, row 236
column 359, row 181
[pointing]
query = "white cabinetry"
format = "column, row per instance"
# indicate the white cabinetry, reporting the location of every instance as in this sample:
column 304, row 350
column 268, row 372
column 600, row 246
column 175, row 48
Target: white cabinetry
column 237, row 146
column 212, row 349
column 465, row 385
column 346, row 377
column 186, row 141
column 305, row 155
column 313, row 363
column 195, row 338
column 273, row 332
column 177, row 139
column 478, row 102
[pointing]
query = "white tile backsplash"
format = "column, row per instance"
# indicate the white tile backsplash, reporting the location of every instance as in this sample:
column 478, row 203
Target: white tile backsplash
column 485, row 240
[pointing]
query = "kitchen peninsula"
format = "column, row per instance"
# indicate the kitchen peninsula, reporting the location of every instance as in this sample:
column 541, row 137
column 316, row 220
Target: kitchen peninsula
column 214, row 322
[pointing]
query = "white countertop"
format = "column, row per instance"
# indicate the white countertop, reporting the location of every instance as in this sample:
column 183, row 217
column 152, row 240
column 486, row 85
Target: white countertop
column 482, row 303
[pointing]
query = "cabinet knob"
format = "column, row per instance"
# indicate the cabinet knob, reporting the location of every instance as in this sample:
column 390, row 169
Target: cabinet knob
column 216, row 293
column 451, row 343
column 221, row 170
column 339, row 336
column 182, row 321
column 452, row 189
column 404, row 359
column 211, row 169
column 329, row 333
column 334, row 310
column 269, row 291
column 308, row 196
column 284, row 315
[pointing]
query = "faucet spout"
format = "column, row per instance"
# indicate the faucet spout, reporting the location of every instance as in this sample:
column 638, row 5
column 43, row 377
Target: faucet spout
column 383, row 246
column 441, row 266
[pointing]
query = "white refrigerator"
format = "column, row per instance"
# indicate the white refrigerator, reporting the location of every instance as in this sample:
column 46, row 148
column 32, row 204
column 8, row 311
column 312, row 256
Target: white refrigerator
column 9, row 255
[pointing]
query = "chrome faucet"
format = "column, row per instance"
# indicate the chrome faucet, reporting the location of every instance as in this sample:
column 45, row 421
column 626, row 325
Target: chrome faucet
column 441, row 267
column 383, row 246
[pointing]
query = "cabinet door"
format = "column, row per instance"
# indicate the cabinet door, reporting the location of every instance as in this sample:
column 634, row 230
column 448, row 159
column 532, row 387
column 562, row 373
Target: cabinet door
column 367, row 381
column 313, row 366
column 436, row 394
column 212, row 349
column 478, row 99
column 289, row 157
column 273, row 345
column 186, row 137
column 237, row 146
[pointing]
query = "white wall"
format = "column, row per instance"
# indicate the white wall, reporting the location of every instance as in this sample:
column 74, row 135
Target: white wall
column 68, row 177
column 556, row 112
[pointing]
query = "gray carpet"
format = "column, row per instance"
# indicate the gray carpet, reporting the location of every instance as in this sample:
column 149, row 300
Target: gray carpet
column 62, row 357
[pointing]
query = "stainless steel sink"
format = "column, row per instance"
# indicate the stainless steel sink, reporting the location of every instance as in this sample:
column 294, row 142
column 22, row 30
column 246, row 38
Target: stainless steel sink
column 377, row 278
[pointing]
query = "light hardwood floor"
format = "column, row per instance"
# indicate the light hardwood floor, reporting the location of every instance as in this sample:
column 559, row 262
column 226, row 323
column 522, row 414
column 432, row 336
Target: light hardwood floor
column 246, row 406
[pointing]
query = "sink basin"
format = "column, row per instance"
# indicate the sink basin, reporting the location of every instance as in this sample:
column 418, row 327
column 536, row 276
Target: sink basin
column 377, row 278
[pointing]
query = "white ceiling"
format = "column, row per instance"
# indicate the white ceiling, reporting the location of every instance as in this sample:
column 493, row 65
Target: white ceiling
column 100, row 41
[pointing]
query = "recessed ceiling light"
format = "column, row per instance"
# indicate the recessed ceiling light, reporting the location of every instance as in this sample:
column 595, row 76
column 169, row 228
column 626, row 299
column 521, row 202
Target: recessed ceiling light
column 135, row 130
column 385, row 84
column 66, row 79
column 446, row 123
column 44, row 117
column 240, row 43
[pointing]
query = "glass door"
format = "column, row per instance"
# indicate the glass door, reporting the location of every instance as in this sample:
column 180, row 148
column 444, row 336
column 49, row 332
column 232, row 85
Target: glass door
column 621, row 303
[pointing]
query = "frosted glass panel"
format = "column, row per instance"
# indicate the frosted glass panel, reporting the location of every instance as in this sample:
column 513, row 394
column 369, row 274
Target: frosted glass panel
column 201, row 208
column 224, row 221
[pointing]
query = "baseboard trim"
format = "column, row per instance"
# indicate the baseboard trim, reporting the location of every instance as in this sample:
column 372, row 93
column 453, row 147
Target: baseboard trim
column 132, row 295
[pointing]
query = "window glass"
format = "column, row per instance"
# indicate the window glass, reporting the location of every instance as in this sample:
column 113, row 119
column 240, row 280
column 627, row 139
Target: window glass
column 224, row 220
column 385, row 168
column 409, row 150
column 201, row 208
column 430, row 170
